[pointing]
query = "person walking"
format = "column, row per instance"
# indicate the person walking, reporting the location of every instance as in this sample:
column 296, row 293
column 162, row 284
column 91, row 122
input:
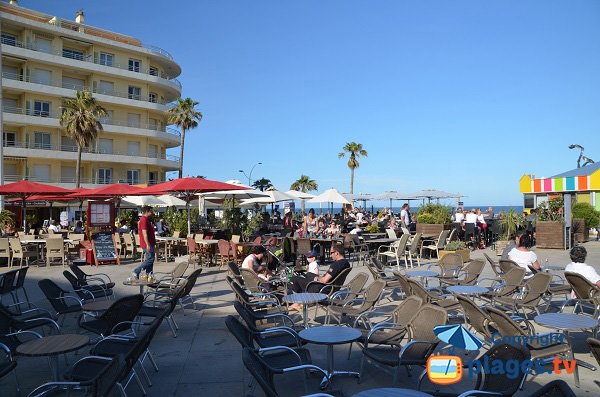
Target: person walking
column 147, row 241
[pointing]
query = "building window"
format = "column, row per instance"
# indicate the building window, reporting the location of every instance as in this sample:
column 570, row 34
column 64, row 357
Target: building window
column 106, row 87
column 41, row 173
column 134, row 65
column 67, row 174
column 529, row 201
column 106, row 59
column 133, row 120
column 67, row 144
column 105, row 146
column 11, row 72
column 108, row 118
column 153, row 71
column 41, row 140
column 153, row 97
column 42, row 76
column 104, row 176
column 134, row 92
column 133, row 148
column 72, row 83
column 152, row 151
column 133, row 177
column 43, row 45
column 73, row 54
column 152, row 178
column 9, row 39
column 10, row 139
column 41, row 108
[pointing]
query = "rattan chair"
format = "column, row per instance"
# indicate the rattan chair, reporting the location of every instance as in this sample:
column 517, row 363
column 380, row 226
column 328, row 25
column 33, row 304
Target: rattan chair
column 477, row 319
column 422, row 342
column 414, row 250
column 505, row 287
column 506, row 326
column 356, row 305
column 494, row 265
column 468, row 275
column 528, row 296
column 449, row 266
column 395, row 251
column 585, row 291
column 347, row 292
column 495, row 383
column 448, row 302
column 437, row 245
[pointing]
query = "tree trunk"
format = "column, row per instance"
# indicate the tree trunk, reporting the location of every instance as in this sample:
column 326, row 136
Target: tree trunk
column 181, row 152
column 352, row 180
column 77, row 168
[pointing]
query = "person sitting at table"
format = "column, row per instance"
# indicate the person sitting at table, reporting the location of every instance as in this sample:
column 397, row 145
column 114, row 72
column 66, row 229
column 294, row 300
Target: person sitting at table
column 313, row 263
column 356, row 229
column 513, row 243
column 123, row 228
column 523, row 256
column 310, row 224
column 299, row 283
column 320, row 232
column 578, row 255
column 254, row 262
column 332, row 230
column 9, row 230
column 78, row 228
column 55, row 226
column 161, row 227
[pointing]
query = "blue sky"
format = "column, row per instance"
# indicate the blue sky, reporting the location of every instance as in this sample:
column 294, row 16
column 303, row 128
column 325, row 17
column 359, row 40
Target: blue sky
column 462, row 96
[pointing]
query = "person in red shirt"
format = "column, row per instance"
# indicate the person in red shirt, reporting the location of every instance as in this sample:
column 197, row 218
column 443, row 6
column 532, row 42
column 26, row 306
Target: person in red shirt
column 147, row 240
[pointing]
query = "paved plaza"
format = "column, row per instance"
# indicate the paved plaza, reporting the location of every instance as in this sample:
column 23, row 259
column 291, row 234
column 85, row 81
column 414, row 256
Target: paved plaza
column 205, row 360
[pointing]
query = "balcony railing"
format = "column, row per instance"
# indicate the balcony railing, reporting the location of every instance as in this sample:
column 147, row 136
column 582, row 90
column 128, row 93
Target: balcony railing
column 56, row 115
column 71, row 179
column 73, row 148
column 91, row 59
column 135, row 97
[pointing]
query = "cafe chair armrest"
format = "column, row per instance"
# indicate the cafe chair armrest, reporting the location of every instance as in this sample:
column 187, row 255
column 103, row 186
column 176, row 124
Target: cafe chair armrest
column 48, row 320
column 275, row 348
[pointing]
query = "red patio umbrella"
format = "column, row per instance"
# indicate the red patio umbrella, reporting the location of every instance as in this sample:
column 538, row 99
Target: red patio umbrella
column 25, row 189
column 117, row 190
column 187, row 189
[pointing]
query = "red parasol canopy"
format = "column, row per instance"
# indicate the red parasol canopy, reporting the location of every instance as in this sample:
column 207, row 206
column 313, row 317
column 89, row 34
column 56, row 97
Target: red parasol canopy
column 117, row 190
column 64, row 198
column 25, row 189
column 188, row 187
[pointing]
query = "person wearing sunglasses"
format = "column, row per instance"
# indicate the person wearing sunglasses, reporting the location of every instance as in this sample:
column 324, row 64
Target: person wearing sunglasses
column 299, row 283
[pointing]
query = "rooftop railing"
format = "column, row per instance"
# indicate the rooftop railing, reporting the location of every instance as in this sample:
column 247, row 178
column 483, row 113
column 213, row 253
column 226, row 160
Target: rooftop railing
column 91, row 59
column 71, row 179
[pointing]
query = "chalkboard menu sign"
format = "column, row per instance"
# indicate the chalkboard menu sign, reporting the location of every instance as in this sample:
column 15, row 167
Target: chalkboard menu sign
column 104, row 248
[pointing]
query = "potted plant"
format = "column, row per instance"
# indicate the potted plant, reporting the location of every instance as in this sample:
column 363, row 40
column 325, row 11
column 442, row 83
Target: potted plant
column 457, row 247
column 550, row 224
column 584, row 218
column 509, row 224
column 433, row 218
column 372, row 228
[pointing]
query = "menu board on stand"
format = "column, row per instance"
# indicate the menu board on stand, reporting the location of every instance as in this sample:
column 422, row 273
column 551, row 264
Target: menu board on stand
column 100, row 229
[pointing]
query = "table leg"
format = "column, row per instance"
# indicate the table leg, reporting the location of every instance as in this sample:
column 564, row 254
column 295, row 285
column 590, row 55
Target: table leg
column 53, row 363
column 331, row 372
column 305, row 314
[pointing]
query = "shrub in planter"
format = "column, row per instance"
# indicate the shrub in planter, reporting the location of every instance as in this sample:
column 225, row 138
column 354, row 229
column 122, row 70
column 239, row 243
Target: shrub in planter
column 586, row 212
column 434, row 214
column 458, row 247
column 372, row 228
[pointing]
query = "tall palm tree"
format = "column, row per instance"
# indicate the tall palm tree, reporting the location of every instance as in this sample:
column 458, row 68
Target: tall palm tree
column 262, row 184
column 185, row 116
column 80, row 118
column 355, row 150
column 304, row 184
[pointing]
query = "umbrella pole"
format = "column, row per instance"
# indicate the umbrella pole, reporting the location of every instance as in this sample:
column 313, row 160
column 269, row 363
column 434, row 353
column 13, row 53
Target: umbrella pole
column 24, row 218
column 187, row 207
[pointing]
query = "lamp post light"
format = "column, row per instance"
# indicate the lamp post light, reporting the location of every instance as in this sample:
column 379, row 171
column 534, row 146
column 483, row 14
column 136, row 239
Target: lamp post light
column 249, row 176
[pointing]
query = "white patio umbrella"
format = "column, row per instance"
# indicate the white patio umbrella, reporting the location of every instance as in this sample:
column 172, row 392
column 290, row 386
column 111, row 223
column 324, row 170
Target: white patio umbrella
column 393, row 195
column 171, row 201
column 330, row 196
column 139, row 201
column 300, row 195
column 271, row 196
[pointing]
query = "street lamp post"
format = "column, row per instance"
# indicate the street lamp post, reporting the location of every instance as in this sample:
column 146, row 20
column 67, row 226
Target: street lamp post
column 249, row 176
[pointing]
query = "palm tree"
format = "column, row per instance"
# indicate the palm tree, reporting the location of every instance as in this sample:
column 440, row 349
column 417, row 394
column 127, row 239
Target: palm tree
column 80, row 118
column 304, row 184
column 262, row 184
column 185, row 116
column 355, row 150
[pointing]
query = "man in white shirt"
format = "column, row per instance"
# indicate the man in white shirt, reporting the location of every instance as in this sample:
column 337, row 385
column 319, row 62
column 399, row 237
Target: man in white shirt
column 471, row 217
column 578, row 265
column 55, row 227
column 405, row 216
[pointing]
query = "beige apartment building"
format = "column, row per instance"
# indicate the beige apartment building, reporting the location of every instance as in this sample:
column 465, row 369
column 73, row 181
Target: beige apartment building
column 45, row 59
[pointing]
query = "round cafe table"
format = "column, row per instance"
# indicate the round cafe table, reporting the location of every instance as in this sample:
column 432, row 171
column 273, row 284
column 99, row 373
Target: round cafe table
column 569, row 322
column 140, row 283
column 52, row 346
column 331, row 335
column 467, row 289
column 421, row 273
column 304, row 298
column 391, row 392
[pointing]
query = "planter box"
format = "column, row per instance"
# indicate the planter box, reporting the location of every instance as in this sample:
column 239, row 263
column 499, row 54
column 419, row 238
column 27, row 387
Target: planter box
column 550, row 234
column 581, row 233
column 434, row 228
column 500, row 246
column 466, row 254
